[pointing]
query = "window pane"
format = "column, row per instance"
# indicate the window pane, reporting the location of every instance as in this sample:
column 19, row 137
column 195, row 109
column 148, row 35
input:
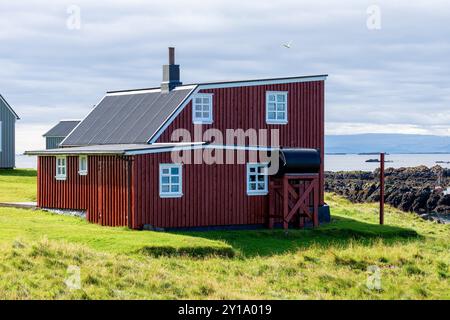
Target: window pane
column 198, row 107
column 198, row 100
column 271, row 97
column 206, row 108
column 252, row 178
column 165, row 188
column 198, row 115
column 281, row 107
column 261, row 178
column 175, row 188
column 174, row 170
column 175, row 179
column 252, row 186
column 281, row 98
column 280, row 116
column 272, row 106
column 165, row 179
column 205, row 115
column 261, row 186
column 206, row 100
column 252, row 169
column 165, row 171
column 271, row 116
column 83, row 164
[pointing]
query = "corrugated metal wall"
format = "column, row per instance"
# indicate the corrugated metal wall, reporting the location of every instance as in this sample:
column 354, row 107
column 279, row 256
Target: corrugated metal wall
column 7, row 153
column 53, row 142
column 103, row 193
column 244, row 107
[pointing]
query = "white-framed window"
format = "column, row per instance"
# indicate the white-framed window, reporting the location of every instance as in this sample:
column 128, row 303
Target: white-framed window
column 276, row 107
column 202, row 108
column 83, row 165
column 61, row 168
column 257, row 179
column 170, row 180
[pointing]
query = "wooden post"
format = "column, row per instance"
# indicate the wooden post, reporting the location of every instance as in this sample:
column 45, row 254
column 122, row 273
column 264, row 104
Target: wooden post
column 316, row 202
column 285, row 202
column 271, row 204
column 382, row 188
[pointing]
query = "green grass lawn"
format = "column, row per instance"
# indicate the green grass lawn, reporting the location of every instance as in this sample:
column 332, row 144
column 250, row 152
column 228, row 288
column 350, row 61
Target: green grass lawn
column 410, row 255
column 17, row 185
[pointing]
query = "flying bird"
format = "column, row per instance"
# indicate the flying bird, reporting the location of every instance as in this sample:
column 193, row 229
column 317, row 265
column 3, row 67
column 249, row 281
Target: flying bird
column 287, row 45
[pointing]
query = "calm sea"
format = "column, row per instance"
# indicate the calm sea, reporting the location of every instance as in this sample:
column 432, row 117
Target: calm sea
column 348, row 162
column 351, row 162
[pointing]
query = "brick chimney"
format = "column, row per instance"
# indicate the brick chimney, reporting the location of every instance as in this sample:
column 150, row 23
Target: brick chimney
column 171, row 73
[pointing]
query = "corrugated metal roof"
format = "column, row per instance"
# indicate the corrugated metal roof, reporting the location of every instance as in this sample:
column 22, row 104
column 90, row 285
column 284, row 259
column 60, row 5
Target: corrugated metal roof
column 127, row 118
column 62, row 129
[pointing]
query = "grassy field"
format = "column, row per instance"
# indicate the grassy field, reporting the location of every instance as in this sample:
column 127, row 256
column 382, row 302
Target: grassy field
column 17, row 185
column 38, row 250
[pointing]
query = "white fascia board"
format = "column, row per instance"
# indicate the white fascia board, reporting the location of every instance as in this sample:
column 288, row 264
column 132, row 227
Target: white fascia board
column 154, row 90
column 196, row 147
column 252, row 83
column 71, row 153
column 173, row 115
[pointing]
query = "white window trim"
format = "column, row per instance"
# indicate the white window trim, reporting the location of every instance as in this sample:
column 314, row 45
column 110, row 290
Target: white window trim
column 83, row 172
column 271, row 121
column 266, row 180
column 171, row 194
column 61, row 176
column 211, row 109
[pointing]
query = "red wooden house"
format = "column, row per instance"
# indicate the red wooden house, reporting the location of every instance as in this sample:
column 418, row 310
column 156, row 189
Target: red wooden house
column 117, row 165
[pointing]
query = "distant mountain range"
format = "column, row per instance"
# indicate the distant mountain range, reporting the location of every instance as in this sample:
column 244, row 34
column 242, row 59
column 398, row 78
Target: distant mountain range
column 390, row 143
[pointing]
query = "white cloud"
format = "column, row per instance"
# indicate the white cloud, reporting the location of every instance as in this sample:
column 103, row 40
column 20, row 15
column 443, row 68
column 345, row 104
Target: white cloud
column 391, row 80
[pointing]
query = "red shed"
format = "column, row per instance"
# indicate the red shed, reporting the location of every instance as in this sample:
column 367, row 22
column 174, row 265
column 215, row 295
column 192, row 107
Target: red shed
column 235, row 153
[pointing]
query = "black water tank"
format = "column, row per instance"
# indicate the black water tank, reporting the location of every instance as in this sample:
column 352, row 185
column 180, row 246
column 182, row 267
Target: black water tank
column 299, row 161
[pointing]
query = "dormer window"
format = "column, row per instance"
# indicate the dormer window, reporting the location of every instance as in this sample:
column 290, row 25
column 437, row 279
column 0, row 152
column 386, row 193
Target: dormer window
column 276, row 107
column 202, row 109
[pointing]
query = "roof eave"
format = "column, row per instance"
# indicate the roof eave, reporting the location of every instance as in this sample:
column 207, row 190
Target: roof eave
column 63, row 152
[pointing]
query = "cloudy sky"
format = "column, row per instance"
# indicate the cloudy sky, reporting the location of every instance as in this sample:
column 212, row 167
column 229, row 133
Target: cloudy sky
column 388, row 64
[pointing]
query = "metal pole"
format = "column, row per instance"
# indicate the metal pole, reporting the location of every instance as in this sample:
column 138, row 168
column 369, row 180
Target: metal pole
column 381, row 188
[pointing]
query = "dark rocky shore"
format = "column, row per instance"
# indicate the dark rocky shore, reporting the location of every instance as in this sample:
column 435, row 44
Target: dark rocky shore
column 419, row 189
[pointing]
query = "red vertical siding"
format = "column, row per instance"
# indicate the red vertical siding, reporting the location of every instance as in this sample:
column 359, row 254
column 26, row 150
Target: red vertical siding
column 244, row 108
column 102, row 193
column 213, row 195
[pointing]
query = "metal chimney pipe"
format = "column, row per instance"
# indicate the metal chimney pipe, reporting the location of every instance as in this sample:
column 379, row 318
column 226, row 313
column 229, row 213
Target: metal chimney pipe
column 171, row 73
column 171, row 55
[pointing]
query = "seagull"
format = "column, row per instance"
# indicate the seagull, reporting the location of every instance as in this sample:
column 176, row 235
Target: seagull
column 287, row 45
